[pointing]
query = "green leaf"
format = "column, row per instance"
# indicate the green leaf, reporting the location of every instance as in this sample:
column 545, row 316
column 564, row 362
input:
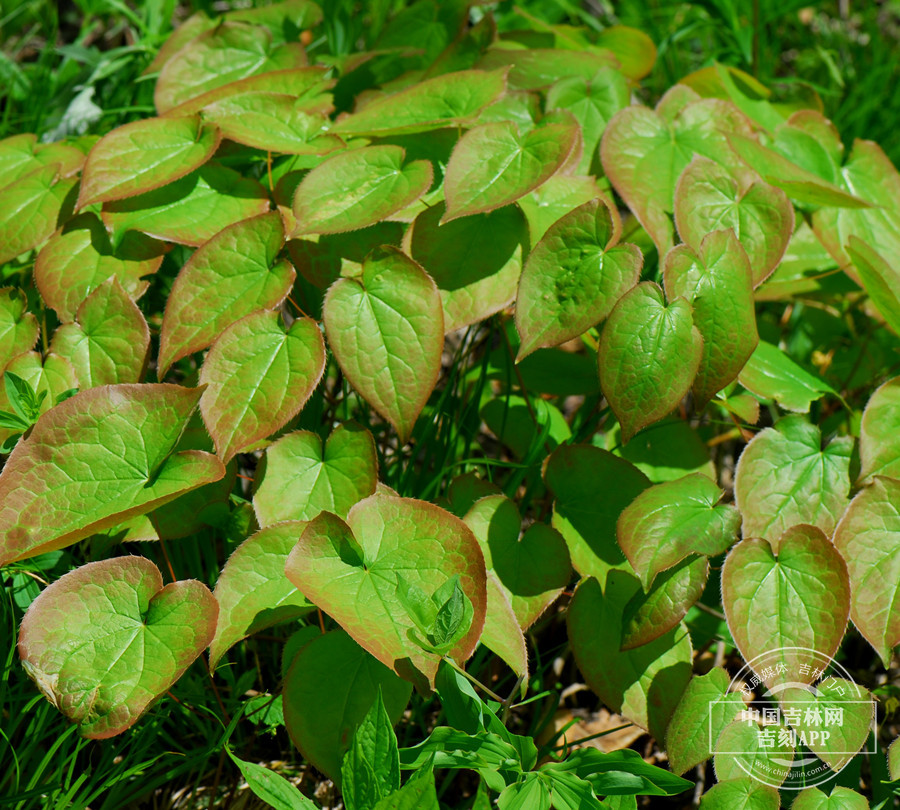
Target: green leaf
column 868, row 538
column 771, row 374
column 837, row 738
column 330, row 687
column 593, row 102
column 94, row 461
column 351, row 571
column 649, row 354
column 258, row 376
column 668, row 522
column 18, row 328
column 475, row 261
column 645, row 151
column 31, row 209
column 253, row 591
column 450, row 100
column 374, row 745
column 742, row 749
column 602, row 769
column 502, row 633
column 869, row 175
column 785, row 477
column 706, row 708
column 48, row 380
column 301, row 476
column 573, row 278
column 709, row 197
column 557, row 197
column 741, row 794
column 22, row 154
column 570, row 792
column 790, row 601
column 110, row 340
column 144, row 155
column 530, row 794
column 893, row 764
column 271, row 786
column 233, row 275
column 450, row 748
column 493, row 165
column 307, row 86
column 880, row 280
column 229, row 52
column 538, row 68
column 532, row 569
column 648, row 615
column 417, row 794
column 358, row 188
column 879, row 442
column 591, row 488
column 273, row 122
column 633, row 49
column 841, row 798
column 717, row 282
column 644, row 684
column 510, row 419
column 107, row 639
column 386, row 331
column 192, row 210
column 80, row 257
column 666, row 451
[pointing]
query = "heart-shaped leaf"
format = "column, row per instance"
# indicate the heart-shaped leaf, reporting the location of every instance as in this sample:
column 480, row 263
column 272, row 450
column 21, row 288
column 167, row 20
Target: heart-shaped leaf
column 741, row 794
column 94, row 461
column 358, row 188
column 668, row 522
column 746, row 749
column 644, row 684
column 329, row 688
column 301, row 476
column 709, row 197
column 649, row 355
column 650, row 614
column 879, row 438
column 537, row 68
column 258, row 377
column 192, row 210
column 705, row 710
column 791, row 603
column 351, row 571
column 573, row 278
column 532, row 569
column 840, row 798
column 273, row 122
column 717, row 281
column 145, row 155
column 386, row 329
column 833, row 719
column 253, row 592
column 555, row 198
column 645, row 151
column 593, row 101
column 110, row 340
column 80, row 257
column 107, row 639
column 18, row 328
column 32, row 209
column 234, row 274
column 785, row 477
column 591, row 487
column 229, row 52
column 22, row 154
column 868, row 538
column 475, row 261
column 453, row 99
column 493, row 165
